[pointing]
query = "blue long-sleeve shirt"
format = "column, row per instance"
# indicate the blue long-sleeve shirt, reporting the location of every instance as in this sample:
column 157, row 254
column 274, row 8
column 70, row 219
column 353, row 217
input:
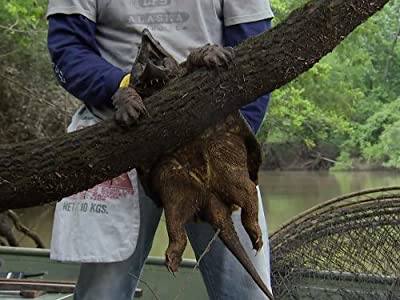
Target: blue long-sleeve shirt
column 253, row 112
column 82, row 71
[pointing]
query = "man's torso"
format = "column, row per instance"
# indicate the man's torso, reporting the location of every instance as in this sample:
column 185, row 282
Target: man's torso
column 179, row 25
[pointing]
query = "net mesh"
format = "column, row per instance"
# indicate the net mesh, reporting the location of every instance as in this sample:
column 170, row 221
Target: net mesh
column 345, row 248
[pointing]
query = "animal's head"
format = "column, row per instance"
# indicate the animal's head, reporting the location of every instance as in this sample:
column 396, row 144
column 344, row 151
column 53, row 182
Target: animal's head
column 153, row 66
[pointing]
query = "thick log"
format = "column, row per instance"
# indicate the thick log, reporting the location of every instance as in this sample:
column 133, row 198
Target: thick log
column 45, row 170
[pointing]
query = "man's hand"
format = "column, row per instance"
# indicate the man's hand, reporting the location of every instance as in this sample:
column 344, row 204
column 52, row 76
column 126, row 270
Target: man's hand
column 128, row 105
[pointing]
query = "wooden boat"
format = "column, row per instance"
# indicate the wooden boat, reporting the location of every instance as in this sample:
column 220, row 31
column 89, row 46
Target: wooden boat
column 57, row 279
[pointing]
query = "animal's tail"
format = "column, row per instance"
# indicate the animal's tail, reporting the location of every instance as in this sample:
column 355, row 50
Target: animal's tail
column 231, row 240
column 219, row 216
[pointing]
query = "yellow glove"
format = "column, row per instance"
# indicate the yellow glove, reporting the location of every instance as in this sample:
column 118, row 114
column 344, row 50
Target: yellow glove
column 125, row 81
column 128, row 104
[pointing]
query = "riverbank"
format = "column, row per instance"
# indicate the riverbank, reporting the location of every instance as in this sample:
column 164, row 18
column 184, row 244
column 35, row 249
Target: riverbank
column 324, row 157
column 298, row 157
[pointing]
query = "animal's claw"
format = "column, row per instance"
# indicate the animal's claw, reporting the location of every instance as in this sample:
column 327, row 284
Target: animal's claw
column 211, row 56
column 129, row 106
column 170, row 270
column 257, row 245
column 172, row 261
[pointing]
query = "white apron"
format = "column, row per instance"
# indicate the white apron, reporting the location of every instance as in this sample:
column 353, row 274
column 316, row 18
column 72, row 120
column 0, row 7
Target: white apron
column 101, row 224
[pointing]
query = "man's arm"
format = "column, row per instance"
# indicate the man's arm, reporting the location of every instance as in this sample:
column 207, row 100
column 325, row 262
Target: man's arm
column 253, row 112
column 78, row 65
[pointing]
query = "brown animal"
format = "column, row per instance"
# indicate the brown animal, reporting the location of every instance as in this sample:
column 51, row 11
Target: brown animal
column 209, row 177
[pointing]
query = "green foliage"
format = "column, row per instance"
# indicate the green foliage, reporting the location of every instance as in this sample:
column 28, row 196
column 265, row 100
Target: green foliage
column 391, row 146
column 23, row 22
column 344, row 162
column 31, row 103
column 377, row 140
column 23, row 14
column 282, row 9
column 349, row 99
column 300, row 120
column 23, row 35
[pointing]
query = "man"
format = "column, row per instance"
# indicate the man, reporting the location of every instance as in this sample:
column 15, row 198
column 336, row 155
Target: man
column 110, row 228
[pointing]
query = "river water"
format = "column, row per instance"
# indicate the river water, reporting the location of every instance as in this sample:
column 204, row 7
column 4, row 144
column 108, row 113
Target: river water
column 285, row 194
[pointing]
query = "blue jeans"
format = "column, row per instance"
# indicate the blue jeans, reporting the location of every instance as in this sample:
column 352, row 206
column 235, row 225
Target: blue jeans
column 224, row 277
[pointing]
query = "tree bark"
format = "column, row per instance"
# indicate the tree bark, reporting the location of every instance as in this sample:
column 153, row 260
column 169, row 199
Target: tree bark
column 45, row 170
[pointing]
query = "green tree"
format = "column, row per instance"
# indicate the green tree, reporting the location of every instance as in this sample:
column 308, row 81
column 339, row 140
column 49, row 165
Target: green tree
column 31, row 103
column 335, row 102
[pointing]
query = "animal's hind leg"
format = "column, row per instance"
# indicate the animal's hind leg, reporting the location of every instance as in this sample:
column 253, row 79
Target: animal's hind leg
column 218, row 214
column 228, row 160
column 179, row 196
column 177, row 239
column 243, row 192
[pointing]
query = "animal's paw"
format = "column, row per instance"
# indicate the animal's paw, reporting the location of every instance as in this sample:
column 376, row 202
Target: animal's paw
column 211, row 56
column 255, row 235
column 173, row 260
column 129, row 107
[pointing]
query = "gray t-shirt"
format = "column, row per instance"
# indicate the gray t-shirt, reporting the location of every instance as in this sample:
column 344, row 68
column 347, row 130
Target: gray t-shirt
column 179, row 25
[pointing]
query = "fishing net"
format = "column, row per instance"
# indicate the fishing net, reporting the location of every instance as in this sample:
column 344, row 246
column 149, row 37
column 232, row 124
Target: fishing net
column 346, row 248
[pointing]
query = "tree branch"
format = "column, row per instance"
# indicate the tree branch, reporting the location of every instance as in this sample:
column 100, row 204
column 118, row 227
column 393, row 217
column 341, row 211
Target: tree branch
column 48, row 169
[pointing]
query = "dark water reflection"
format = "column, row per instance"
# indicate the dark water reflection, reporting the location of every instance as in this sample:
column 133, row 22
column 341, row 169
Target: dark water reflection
column 285, row 195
